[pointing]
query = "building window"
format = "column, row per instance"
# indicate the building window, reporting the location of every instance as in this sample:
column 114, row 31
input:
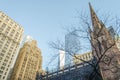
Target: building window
column 4, row 25
column 1, row 42
column 3, row 51
column 4, row 77
column 13, row 31
column 19, row 28
column 7, row 69
column 2, row 54
column 11, row 23
column 6, row 45
column 6, row 19
column 5, row 60
column 2, row 68
column 8, row 41
column 2, row 16
column 1, row 71
column 0, row 22
column 3, row 39
column 5, row 48
column 9, row 54
column 12, row 55
column 8, row 65
column 11, row 35
column 1, row 30
column 0, row 76
column 13, row 44
column 19, row 78
column 10, row 50
column 5, row 73
column 0, row 46
column 6, row 32
column 8, row 28
column 0, row 58
column 11, row 47
column 4, row 64
column 15, row 26
column 7, row 57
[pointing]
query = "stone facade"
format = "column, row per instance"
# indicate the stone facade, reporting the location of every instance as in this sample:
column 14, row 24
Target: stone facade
column 104, row 49
column 28, row 63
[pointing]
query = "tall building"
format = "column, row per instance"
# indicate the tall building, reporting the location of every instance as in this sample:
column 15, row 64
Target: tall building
column 72, row 46
column 28, row 63
column 104, row 49
column 79, row 58
column 10, row 38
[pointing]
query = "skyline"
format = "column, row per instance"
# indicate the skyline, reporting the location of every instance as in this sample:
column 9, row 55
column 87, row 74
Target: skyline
column 44, row 21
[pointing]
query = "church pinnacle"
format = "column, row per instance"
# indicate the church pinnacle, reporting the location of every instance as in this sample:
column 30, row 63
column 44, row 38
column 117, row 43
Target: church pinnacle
column 94, row 18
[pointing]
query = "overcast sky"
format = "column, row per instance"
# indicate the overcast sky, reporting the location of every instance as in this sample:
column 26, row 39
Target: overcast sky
column 44, row 19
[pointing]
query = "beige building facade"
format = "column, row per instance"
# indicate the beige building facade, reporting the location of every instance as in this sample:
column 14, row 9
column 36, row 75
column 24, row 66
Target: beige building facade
column 85, row 57
column 10, row 38
column 28, row 63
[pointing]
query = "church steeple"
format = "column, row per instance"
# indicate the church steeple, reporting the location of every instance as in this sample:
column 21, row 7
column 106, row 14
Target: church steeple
column 104, row 49
column 94, row 18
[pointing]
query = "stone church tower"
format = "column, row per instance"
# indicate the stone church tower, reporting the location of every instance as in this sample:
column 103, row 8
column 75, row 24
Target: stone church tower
column 104, row 49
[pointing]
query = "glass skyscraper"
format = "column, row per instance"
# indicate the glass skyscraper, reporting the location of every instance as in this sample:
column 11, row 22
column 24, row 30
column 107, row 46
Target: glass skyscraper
column 72, row 46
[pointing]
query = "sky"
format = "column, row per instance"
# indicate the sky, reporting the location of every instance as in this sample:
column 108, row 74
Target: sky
column 45, row 20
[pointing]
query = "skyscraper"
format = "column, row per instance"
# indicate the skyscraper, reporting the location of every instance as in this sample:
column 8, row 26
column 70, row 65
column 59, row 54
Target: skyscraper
column 10, row 38
column 28, row 63
column 72, row 46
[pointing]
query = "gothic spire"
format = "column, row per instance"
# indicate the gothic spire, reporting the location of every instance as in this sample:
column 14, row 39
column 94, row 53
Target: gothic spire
column 94, row 18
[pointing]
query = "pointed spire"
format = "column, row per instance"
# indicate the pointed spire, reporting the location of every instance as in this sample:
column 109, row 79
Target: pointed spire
column 94, row 18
